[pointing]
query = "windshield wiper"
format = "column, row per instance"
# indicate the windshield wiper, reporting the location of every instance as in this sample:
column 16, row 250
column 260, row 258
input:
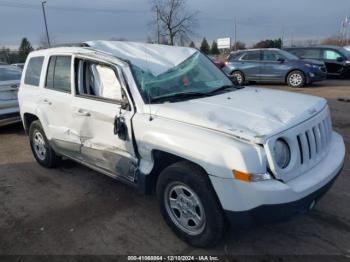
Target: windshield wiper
column 223, row 88
column 178, row 96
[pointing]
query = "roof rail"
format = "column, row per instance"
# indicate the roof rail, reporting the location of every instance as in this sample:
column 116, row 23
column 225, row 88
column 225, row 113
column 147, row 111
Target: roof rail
column 70, row 45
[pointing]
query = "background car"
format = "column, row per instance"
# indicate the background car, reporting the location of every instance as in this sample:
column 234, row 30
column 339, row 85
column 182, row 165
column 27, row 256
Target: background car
column 336, row 59
column 220, row 64
column 20, row 65
column 273, row 65
column 347, row 47
column 10, row 78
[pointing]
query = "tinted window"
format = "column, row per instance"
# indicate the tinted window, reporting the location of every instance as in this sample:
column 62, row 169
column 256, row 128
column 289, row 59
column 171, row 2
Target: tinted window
column 8, row 74
column 32, row 76
column 98, row 80
column 234, row 56
column 59, row 73
column 271, row 56
column 251, row 56
column 307, row 53
column 331, row 55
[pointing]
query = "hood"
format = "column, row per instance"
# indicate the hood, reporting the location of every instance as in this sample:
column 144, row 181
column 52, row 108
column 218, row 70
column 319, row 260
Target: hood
column 311, row 61
column 252, row 114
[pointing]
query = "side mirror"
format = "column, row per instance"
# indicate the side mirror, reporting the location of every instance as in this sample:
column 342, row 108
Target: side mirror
column 125, row 104
column 340, row 59
column 281, row 60
column 120, row 128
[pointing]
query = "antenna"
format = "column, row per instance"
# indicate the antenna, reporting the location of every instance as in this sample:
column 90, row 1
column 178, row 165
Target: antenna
column 148, row 93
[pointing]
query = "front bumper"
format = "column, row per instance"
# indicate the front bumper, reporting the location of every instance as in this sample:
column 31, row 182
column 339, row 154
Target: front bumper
column 316, row 75
column 278, row 212
column 268, row 200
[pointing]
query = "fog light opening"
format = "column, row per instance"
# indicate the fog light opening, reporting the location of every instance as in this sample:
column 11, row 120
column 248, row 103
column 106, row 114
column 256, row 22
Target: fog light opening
column 312, row 205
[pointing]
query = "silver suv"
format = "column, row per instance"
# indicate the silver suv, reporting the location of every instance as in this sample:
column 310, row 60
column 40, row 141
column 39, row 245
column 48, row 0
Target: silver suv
column 10, row 78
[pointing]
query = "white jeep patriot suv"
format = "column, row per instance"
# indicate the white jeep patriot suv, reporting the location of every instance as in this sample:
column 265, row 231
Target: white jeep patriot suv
column 167, row 120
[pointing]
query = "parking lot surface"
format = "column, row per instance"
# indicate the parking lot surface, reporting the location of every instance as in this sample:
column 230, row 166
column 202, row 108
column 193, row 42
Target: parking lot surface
column 74, row 210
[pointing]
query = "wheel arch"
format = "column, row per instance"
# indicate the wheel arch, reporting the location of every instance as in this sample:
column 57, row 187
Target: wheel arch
column 28, row 119
column 290, row 71
column 162, row 160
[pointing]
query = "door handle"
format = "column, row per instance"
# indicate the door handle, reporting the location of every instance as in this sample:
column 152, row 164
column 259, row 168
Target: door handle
column 82, row 112
column 46, row 101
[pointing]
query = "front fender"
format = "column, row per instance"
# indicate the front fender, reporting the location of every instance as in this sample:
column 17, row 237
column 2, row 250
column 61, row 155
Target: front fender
column 217, row 153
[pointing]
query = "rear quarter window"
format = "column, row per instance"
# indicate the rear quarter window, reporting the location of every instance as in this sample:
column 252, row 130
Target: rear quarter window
column 33, row 72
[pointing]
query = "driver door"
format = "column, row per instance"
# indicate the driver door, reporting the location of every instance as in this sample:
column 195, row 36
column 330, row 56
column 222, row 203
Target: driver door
column 334, row 61
column 98, row 101
column 273, row 69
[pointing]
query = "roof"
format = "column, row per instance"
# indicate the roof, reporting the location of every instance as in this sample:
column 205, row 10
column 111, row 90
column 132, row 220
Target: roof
column 153, row 58
column 254, row 49
column 316, row 46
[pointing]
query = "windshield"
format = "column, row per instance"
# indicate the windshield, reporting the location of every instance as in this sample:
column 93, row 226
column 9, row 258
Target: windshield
column 288, row 55
column 9, row 74
column 196, row 74
column 345, row 52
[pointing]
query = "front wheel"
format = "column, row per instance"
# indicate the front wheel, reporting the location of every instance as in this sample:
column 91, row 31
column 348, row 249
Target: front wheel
column 239, row 77
column 296, row 79
column 189, row 205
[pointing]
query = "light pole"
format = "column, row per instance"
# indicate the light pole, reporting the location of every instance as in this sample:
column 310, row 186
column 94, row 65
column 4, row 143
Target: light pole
column 158, row 31
column 47, row 31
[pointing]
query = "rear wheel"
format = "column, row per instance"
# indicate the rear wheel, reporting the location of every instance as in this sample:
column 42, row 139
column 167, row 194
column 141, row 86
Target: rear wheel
column 189, row 206
column 239, row 76
column 296, row 78
column 41, row 149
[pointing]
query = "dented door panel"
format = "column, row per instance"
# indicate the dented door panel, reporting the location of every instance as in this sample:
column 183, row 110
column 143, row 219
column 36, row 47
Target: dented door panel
column 99, row 145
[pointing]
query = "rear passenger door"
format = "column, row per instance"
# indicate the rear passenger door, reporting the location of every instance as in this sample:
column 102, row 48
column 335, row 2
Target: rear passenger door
column 55, row 104
column 251, row 65
column 98, row 102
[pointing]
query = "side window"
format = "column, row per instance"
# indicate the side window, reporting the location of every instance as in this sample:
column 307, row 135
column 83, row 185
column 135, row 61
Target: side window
column 251, row 56
column 234, row 56
column 296, row 52
column 98, row 80
column 331, row 55
column 271, row 56
column 33, row 72
column 8, row 73
column 59, row 73
column 310, row 53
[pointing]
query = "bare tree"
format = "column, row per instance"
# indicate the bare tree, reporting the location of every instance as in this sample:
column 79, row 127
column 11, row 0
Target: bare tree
column 174, row 19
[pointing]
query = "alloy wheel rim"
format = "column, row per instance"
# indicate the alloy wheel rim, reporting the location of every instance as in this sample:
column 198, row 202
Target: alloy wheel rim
column 238, row 77
column 295, row 79
column 185, row 208
column 39, row 145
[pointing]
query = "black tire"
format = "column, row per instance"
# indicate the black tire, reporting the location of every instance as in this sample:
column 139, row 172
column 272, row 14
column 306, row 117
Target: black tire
column 48, row 159
column 296, row 79
column 188, row 175
column 239, row 77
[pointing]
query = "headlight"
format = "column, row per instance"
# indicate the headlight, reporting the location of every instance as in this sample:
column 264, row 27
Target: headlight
column 313, row 66
column 281, row 152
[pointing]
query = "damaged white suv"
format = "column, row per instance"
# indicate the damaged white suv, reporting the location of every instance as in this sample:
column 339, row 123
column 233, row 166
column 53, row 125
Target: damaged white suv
column 167, row 120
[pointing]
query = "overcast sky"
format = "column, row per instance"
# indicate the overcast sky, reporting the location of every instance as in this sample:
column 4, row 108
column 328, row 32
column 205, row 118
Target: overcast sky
column 79, row 20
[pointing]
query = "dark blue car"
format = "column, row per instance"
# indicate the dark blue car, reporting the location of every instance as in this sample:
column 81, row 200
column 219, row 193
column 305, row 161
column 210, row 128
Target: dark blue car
column 274, row 65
